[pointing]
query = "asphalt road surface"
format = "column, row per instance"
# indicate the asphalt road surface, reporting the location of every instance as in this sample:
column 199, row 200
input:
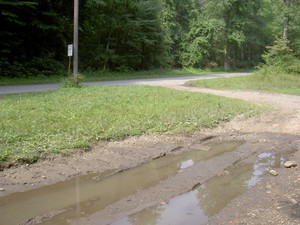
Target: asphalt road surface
column 173, row 81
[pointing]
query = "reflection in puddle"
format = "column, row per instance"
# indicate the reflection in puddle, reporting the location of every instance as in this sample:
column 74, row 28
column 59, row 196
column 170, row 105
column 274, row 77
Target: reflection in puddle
column 186, row 164
column 197, row 206
column 265, row 160
column 87, row 194
column 183, row 209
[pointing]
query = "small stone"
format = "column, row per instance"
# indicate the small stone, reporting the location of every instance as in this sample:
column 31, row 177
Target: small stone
column 268, row 186
column 273, row 172
column 88, row 204
column 44, row 177
column 2, row 189
column 95, row 178
column 225, row 173
column 289, row 164
column 294, row 201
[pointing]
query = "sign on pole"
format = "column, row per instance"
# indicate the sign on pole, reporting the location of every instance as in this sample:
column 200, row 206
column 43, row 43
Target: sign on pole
column 70, row 50
column 70, row 54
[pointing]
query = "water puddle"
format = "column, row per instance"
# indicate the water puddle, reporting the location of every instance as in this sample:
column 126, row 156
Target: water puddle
column 197, row 206
column 84, row 195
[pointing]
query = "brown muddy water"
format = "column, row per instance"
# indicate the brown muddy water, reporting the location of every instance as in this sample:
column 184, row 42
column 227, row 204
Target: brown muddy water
column 198, row 205
column 84, row 195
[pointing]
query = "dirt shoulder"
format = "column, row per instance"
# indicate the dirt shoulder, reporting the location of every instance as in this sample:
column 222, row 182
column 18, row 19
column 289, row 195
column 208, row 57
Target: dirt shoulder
column 274, row 197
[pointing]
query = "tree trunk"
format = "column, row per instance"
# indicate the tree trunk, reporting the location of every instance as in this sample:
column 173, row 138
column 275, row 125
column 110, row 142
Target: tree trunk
column 226, row 58
column 286, row 22
column 235, row 57
column 107, row 49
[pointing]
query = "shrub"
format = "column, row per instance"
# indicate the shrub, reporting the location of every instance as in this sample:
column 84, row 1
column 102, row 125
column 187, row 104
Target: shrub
column 280, row 59
column 72, row 82
column 34, row 67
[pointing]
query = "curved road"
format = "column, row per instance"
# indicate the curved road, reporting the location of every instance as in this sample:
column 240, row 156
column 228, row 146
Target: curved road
column 173, row 81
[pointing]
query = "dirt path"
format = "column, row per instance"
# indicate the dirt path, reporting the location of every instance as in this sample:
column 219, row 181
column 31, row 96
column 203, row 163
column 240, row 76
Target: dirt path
column 284, row 118
column 273, row 201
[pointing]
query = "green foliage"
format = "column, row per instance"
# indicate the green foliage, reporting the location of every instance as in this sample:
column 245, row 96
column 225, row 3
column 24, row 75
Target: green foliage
column 280, row 59
column 125, row 35
column 194, row 54
column 197, row 44
column 72, row 82
column 278, row 54
column 40, row 124
column 143, row 34
column 240, row 38
column 177, row 15
column 31, row 68
column 32, row 37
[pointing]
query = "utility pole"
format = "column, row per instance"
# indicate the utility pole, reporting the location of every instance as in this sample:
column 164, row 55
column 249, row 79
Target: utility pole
column 75, row 39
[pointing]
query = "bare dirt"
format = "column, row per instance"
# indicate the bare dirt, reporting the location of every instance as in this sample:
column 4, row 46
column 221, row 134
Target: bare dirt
column 275, row 200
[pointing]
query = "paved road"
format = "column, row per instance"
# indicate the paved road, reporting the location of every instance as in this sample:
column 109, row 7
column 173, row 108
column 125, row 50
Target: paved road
column 155, row 82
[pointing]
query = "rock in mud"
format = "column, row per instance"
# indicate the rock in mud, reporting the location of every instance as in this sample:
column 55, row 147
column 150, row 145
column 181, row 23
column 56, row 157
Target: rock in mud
column 294, row 202
column 273, row 172
column 268, row 186
column 2, row 189
column 290, row 164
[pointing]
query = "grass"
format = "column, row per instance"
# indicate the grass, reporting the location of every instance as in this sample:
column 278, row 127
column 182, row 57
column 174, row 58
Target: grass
column 274, row 83
column 108, row 76
column 36, row 125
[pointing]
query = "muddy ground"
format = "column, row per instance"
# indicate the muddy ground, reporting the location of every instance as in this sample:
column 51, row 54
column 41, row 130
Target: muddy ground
column 274, row 200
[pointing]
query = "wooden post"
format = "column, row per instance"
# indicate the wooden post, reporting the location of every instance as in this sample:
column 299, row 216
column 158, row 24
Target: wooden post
column 69, row 68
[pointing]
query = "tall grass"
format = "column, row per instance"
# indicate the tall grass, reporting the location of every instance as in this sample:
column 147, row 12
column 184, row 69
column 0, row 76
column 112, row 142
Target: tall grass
column 38, row 124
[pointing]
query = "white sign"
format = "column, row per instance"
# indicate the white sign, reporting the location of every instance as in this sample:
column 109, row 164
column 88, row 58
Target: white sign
column 70, row 50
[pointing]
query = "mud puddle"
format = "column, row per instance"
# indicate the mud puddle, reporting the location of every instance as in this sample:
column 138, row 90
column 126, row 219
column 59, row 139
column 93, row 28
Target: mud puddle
column 206, row 200
column 84, row 195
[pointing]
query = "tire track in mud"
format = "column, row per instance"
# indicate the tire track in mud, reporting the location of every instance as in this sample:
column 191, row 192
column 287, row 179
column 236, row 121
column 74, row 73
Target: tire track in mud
column 197, row 175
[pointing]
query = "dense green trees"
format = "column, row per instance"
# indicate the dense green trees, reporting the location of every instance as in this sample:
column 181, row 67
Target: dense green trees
column 129, row 35
column 32, row 34
column 123, row 35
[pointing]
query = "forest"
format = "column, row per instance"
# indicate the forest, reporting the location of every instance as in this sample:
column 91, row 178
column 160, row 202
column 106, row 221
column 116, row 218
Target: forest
column 132, row 35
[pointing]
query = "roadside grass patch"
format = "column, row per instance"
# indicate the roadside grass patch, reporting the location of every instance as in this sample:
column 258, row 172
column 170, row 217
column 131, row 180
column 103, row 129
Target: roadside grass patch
column 35, row 125
column 259, row 81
